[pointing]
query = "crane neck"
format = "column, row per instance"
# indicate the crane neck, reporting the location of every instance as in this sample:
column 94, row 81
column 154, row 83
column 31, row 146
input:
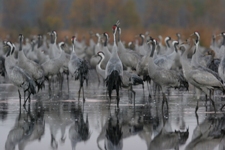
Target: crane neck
column 118, row 36
column 142, row 40
column 73, row 48
column 40, row 42
column 167, row 43
column 20, row 44
column 114, row 38
column 196, row 47
column 99, row 38
column 223, row 41
column 106, row 41
column 101, row 60
column 153, row 49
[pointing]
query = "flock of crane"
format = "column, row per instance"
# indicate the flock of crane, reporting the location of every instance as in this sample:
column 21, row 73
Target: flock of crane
column 177, row 64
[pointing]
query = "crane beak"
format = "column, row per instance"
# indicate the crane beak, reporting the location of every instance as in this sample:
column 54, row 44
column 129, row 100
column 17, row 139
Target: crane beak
column 192, row 34
column 218, row 35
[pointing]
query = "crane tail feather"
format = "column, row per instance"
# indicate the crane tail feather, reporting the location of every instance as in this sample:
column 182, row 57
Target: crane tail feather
column 113, row 81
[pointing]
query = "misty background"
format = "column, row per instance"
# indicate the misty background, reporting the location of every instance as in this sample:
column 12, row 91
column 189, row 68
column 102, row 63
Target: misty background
column 164, row 17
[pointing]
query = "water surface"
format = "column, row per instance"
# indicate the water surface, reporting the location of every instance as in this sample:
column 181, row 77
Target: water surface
column 67, row 123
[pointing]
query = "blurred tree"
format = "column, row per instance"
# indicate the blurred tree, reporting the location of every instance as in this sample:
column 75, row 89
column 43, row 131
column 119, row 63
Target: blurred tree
column 51, row 16
column 81, row 14
column 102, row 14
column 13, row 11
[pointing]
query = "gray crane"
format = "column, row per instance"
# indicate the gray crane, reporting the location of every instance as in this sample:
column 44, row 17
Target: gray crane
column 34, row 69
column 78, row 67
column 114, row 70
column 128, row 57
column 200, row 78
column 53, row 50
column 18, row 76
column 221, row 67
column 128, row 79
column 164, row 78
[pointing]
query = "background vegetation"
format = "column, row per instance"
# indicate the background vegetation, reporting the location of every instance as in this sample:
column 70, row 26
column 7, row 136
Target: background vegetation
column 67, row 17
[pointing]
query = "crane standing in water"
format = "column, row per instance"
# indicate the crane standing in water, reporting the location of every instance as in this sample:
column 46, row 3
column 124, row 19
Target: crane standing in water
column 114, row 70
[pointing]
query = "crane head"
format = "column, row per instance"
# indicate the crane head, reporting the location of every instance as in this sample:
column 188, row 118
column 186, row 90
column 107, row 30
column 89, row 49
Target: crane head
column 106, row 35
column 175, row 43
column 119, row 30
column 54, row 33
column 101, row 54
column 61, row 44
column 21, row 37
column 223, row 34
column 11, row 48
column 114, row 28
column 39, row 36
column 167, row 38
column 73, row 39
column 142, row 36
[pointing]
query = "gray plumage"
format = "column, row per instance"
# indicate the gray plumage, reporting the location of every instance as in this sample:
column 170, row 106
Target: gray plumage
column 199, row 77
column 163, row 77
column 18, row 76
column 114, row 70
column 34, row 69
column 79, row 68
column 128, row 79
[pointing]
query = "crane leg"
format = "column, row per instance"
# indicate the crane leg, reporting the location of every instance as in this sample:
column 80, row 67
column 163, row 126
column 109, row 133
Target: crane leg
column 19, row 97
column 196, row 108
column 117, row 95
column 213, row 104
column 110, row 93
column 83, row 93
column 24, row 97
column 165, row 100
column 61, row 83
column 222, row 107
column 68, row 85
column 149, row 90
column 49, row 87
column 131, row 88
column 28, row 97
column 79, row 93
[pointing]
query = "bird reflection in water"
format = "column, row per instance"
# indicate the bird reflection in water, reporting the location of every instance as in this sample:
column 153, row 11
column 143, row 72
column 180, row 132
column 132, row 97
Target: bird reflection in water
column 79, row 130
column 209, row 134
column 28, row 128
column 168, row 139
column 3, row 111
column 113, row 140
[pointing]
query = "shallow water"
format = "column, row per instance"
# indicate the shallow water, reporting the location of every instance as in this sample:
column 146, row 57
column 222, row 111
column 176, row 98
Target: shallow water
column 66, row 123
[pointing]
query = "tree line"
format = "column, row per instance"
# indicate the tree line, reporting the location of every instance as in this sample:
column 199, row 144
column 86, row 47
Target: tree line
column 45, row 15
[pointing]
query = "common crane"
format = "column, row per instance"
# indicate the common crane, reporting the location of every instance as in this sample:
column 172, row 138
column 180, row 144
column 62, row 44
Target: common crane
column 18, row 76
column 163, row 77
column 128, row 79
column 114, row 70
column 78, row 67
column 202, row 79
